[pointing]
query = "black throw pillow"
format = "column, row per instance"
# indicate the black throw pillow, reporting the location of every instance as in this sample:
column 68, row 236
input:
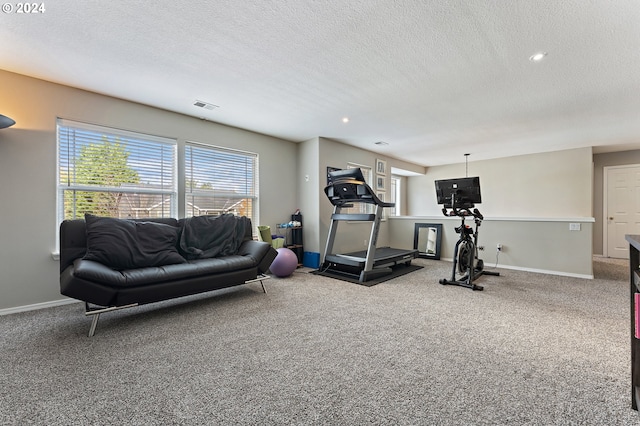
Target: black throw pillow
column 127, row 244
column 205, row 237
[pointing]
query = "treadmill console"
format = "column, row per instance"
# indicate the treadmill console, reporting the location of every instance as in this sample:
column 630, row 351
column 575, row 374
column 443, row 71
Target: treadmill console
column 348, row 186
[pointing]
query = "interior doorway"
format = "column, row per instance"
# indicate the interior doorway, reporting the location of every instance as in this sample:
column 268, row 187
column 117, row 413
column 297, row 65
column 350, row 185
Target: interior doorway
column 621, row 208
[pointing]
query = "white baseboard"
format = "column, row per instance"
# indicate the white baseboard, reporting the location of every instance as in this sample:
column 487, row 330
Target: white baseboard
column 490, row 266
column 544, row 271
column 37, row 306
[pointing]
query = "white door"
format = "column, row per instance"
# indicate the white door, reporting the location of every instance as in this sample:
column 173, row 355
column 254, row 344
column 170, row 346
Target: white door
column 622, row 208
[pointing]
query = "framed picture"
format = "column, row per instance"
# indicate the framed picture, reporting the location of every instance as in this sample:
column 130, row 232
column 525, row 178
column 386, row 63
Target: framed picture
column 381, row 167
column 381, row 183
column 381, row 196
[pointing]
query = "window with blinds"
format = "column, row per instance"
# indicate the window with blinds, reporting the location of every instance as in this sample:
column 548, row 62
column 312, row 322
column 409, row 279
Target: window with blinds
column 115, row 173
column 394, row 192
column 219, row 181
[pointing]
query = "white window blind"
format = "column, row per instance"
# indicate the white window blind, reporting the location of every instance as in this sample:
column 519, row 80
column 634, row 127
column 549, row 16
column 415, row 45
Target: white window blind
column 219, row 181
column 394, row 191
column 115, row 173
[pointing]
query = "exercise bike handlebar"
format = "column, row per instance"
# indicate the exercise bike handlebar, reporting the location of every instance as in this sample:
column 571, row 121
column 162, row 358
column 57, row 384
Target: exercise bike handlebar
column 462, row 212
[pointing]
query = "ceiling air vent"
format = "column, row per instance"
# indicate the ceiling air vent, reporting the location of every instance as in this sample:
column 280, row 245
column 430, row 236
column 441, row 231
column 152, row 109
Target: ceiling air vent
column 205, row 105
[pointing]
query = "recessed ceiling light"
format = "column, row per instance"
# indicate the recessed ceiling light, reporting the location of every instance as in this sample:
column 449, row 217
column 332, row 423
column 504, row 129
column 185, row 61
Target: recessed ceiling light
column 537, row 57
column 345, row 119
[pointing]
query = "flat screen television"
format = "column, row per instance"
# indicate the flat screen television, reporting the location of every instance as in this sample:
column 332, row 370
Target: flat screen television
column 464, row 192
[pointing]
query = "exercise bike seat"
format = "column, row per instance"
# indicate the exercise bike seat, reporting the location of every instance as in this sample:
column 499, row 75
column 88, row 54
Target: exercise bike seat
column 467, row 229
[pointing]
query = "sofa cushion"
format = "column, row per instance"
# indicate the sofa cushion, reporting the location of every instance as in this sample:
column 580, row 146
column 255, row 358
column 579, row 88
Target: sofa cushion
column 126, row 244
column 205, row 237
column 97, row 272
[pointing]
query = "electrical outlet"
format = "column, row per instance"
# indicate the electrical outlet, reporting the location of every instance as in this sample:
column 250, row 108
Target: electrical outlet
column 499, row 247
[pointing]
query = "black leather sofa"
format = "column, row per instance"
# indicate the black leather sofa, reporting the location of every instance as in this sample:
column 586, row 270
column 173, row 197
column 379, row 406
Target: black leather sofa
column 112, row 263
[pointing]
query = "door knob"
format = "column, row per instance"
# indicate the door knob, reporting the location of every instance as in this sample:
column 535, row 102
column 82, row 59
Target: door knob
column 611, row 218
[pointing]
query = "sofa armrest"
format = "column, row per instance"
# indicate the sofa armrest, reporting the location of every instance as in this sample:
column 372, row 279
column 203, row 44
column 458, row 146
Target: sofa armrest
column 73, row 242
column 261, row 252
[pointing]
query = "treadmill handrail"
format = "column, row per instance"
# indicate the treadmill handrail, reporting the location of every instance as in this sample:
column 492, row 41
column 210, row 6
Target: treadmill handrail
column 354, row 217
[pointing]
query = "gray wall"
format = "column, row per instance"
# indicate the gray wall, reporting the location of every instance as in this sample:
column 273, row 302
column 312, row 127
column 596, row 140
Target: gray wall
column 28, row 172
column 351, row 236
column 309, row 183
column 600, row 161
column 546, row 246
column 528, row 202
column 549, row 188
column 547, row 185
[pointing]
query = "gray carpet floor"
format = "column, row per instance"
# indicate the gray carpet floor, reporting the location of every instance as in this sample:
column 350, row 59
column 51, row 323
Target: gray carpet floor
column 531, row 349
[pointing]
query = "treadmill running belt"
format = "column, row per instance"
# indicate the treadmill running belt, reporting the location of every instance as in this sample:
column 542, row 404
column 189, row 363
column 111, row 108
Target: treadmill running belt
column 382, row 256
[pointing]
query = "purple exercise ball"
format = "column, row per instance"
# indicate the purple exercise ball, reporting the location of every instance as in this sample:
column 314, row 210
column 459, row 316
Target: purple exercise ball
column 285, row 263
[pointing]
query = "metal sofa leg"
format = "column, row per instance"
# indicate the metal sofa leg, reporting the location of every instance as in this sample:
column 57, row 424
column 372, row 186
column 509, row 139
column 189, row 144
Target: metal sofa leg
column 263, row 277
column 96, row 314
column 94, row 323
column 260, row 278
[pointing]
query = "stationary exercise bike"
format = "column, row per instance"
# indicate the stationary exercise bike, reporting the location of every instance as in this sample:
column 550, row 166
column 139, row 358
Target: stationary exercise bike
column 458, row 197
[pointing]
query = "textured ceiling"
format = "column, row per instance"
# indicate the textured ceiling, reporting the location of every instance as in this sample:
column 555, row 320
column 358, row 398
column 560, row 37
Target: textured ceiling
column 433, row 79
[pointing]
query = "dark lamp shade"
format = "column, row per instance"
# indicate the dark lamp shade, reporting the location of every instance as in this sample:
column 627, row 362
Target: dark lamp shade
column 6, row 121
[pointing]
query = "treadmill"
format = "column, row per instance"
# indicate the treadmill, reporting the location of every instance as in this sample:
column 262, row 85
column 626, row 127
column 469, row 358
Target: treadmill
column 345, row 189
